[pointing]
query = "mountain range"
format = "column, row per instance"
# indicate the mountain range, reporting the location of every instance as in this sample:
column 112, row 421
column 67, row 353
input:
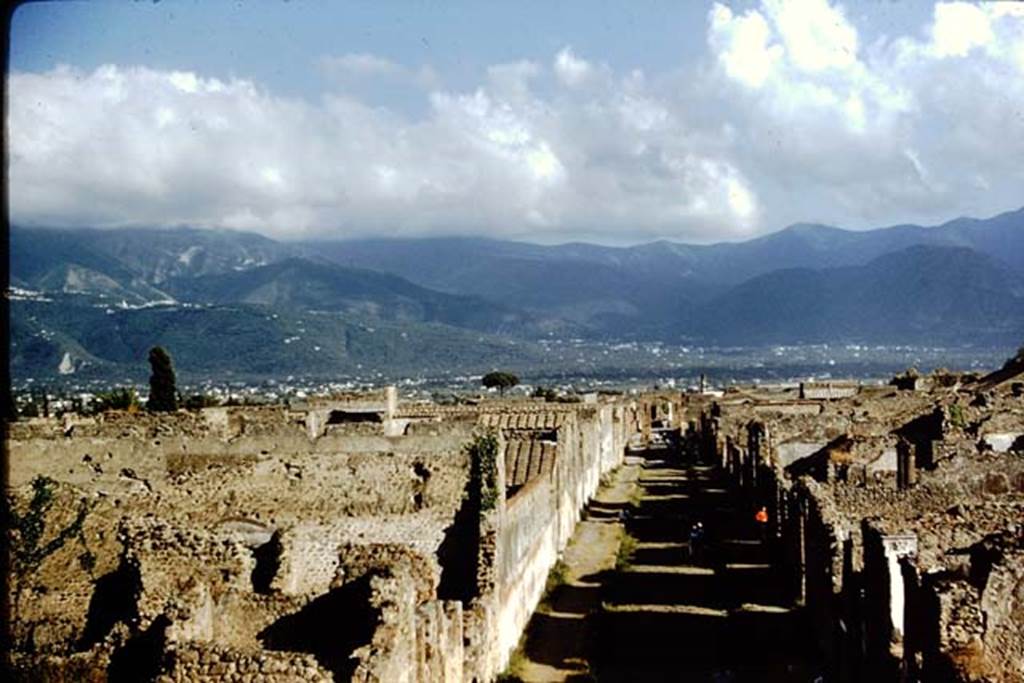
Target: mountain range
column 101, row 297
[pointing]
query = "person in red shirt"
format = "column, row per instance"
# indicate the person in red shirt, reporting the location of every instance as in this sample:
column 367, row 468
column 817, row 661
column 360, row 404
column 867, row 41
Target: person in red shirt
column 761, row 517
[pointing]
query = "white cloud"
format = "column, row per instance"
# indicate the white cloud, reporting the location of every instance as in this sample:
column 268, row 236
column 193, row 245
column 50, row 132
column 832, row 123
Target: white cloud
column 134, row 145
column 958, row 28
column 908, row 129
column 793, row 116
column 815, row 33
column 742, row 45
column 570, row 69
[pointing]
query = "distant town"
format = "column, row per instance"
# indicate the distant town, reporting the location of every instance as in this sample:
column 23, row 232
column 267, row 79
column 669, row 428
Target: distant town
column 576, row 366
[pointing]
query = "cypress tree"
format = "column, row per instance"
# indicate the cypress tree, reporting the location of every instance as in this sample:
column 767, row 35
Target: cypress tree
column 163, row 394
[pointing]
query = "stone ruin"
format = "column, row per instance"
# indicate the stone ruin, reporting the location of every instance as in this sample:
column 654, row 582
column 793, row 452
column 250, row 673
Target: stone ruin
column 898, row 513
column 354, row 539
column 366, row 540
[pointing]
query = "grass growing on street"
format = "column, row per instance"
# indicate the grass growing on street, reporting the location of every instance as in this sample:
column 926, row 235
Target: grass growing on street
column 557, row 578
column 627, row 548
column 516, row 665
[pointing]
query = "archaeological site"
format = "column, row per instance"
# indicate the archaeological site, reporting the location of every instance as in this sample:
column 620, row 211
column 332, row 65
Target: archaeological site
column 831, row 532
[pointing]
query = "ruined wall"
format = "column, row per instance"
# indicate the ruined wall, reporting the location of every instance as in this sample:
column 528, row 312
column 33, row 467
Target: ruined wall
column 536, row 524
column 214, row 487
column 228, row 541
column 521, row 538
column 898, row 518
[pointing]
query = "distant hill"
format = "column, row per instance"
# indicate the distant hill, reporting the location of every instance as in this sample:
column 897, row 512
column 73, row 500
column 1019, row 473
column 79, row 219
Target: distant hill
column 130, row 263
column 66, row 261
column 240, row 341
column 626, row 291
column 449, row 264
column 817, row 246
column 955, row 284
column 921, row 295
column 301, row 284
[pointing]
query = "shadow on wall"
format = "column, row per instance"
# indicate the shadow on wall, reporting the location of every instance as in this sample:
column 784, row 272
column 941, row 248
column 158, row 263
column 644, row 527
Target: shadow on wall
column 268, row 562
column 330, row 627
column 458, row 552
column 141, row 658
column 112, row 601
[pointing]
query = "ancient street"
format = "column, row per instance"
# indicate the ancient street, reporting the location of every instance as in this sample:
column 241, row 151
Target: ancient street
column 663, row 615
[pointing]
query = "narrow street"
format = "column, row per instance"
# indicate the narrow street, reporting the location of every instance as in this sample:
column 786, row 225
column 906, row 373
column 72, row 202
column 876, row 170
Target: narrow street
column 719, row 616
column 560, row 637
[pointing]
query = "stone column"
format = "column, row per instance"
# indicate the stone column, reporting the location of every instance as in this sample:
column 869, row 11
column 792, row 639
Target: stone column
column 391, row 401
column 906, row 468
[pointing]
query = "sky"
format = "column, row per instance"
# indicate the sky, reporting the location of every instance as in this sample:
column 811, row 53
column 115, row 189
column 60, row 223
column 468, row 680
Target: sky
column 608, row 122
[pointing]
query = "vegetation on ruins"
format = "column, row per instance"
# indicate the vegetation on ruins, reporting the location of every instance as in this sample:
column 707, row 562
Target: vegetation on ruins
column 956, row 416
column 163, row 394
column 200, row 401
column 627, row 548
column 499, row 380
column 546, row 393
column 516, row 665
column 557, row 577
column 483, row 452
column 123, row 398
column 30, row 544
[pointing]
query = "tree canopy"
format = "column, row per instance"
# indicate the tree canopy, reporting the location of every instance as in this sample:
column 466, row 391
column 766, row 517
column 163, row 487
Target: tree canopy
column 123, row 398
column 163, row 394
column 499, row 380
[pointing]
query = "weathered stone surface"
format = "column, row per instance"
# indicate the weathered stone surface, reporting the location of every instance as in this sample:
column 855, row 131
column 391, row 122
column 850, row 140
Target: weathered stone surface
column 279, row 544
column 949, row 610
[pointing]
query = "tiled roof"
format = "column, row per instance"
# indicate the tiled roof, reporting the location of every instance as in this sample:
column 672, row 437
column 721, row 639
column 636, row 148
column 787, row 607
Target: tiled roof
column 523, row 421
column 526, row 459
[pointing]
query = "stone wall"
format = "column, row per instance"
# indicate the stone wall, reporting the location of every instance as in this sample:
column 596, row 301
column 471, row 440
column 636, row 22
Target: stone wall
column 915, row 577
column 828, row 390
column 536, row 523
column 227, row 542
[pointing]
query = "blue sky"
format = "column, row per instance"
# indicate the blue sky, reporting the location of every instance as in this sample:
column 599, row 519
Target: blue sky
column 614, row 122
column 280, row 44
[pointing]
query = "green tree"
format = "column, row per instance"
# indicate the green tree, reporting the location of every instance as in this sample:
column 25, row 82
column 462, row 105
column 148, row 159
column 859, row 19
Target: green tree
column 30, row 409
column 500, row 380
column 123, row 398
column 546, row 393
column 163, row 394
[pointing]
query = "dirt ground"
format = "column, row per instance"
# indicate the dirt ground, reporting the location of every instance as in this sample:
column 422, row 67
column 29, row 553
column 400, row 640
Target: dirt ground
column 559, row 637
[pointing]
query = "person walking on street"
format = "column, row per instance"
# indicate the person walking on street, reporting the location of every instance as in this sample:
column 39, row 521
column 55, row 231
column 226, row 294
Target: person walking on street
column 761, row 518
column 696, row 541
